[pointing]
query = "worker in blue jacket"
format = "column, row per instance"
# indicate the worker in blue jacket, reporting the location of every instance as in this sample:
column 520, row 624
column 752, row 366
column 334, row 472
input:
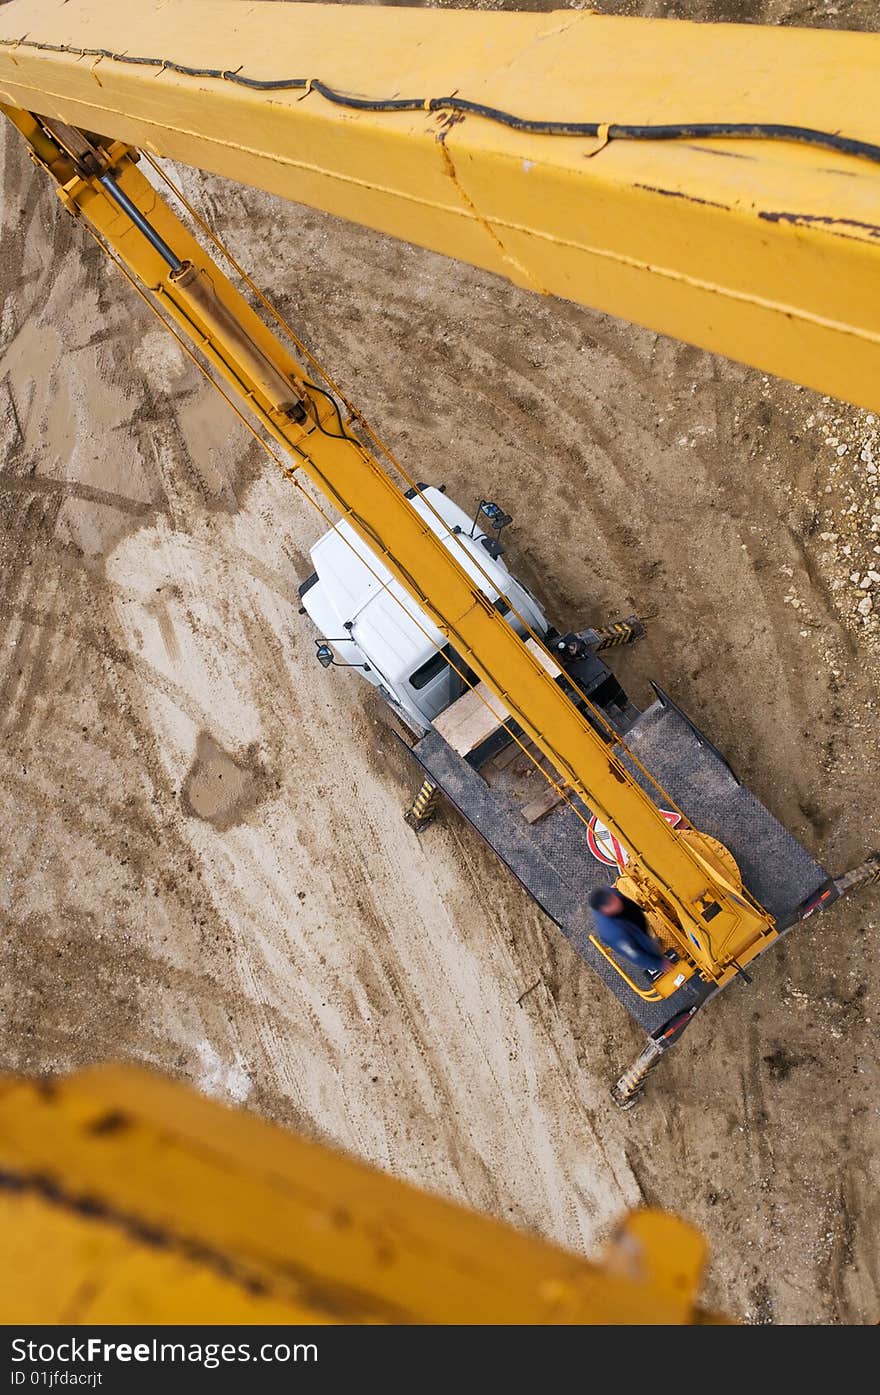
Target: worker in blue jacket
column 622, row 925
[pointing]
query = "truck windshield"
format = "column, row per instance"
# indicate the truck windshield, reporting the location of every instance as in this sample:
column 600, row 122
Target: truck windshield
column 431, row 668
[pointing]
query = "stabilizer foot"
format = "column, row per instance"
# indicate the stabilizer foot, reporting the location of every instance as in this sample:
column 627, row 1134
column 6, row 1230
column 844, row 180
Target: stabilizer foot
column 867, row 871
column 423, row 809
column 621, row 632
column 629, row 1087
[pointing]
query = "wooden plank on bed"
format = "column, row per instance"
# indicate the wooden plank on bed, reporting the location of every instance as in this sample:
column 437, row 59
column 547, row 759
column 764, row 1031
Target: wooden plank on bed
column 478, row 712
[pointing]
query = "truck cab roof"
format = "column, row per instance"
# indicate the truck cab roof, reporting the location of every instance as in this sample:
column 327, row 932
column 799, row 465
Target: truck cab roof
column 358, row 593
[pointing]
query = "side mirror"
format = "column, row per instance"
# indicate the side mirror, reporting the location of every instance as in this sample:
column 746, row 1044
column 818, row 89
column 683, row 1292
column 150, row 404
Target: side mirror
column 324, row 654
column 498, row 519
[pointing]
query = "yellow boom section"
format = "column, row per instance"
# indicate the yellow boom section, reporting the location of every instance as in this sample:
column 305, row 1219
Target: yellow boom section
column 126, row 1198
column 767, row 250
column 717, row 927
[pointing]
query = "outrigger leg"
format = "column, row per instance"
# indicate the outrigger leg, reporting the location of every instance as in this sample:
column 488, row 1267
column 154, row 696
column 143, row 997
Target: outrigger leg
column 867, row 871
column 424, row 806
column 629, row 1086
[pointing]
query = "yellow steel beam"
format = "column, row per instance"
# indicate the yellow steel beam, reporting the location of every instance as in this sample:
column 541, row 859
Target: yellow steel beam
column 768, row 251
column 127, row 1198
column 722, row 929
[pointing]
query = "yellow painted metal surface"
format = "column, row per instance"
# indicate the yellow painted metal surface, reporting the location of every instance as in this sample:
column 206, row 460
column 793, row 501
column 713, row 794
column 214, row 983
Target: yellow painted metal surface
column 715, row 925
column 127, row 1198
column 766, row 251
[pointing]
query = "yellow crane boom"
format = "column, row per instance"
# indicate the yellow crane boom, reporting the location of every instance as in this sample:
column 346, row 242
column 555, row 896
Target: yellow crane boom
column 719, row 183
column 496, row 163
column 715, row 924
column 125, row 1197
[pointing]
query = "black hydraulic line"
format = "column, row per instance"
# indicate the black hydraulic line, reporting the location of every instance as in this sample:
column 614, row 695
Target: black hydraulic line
column 706, row 130
column 343, row 434
column 134, row 213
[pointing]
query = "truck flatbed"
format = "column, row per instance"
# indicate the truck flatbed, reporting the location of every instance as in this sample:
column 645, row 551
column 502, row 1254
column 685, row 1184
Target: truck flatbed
column 553, row 859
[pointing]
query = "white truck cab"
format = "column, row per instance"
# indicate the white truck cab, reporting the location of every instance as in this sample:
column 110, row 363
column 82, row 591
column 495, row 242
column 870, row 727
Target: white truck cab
column 365, row 617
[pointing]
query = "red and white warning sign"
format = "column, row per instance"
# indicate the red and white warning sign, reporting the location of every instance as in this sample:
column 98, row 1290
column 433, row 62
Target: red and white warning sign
column 605, row 847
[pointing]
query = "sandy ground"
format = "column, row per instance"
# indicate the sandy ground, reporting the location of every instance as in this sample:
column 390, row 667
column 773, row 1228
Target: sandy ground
column 204, row 862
